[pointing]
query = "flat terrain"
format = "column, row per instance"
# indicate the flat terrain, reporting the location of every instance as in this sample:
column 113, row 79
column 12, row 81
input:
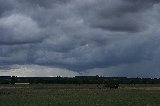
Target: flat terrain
column 79, row 95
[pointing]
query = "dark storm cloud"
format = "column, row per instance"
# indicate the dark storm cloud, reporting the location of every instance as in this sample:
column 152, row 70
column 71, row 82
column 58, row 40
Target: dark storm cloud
column 79, row 34
column 19, row 29
column 44, row 3
column 5, row 5
column 122, row 15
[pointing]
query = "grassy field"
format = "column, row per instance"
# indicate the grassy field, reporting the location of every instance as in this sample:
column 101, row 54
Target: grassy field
column 75, row 95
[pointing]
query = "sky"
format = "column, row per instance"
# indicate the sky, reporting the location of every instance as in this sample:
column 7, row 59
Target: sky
column 80, row 37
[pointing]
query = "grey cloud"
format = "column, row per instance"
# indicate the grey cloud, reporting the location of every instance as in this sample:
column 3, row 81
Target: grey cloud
column 19, row 29
column 79, row 34
column 44, row 3
column 122, row 15
column 6, row 5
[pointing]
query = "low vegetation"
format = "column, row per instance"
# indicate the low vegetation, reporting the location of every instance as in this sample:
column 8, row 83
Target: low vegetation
column 79, row 95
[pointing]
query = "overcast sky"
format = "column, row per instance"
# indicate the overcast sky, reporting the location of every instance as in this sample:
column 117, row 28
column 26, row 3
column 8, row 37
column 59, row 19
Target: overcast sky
column 80, row 37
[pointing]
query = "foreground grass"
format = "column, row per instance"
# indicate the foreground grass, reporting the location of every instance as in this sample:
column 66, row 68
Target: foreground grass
column 75, row 95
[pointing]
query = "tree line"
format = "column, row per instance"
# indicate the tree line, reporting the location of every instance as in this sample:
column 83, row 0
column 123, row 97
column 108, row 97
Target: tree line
column 111, row 82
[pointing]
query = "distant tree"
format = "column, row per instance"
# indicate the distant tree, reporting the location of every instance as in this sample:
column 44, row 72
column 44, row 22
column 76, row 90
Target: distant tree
column 111, row 84
column 30, row 81
column 13, row 80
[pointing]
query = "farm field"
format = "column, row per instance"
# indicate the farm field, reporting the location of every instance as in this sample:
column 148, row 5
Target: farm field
column 79, row 95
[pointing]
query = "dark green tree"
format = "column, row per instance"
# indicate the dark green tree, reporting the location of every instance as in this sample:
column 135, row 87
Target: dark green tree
column 112, row 84
column 13, row 80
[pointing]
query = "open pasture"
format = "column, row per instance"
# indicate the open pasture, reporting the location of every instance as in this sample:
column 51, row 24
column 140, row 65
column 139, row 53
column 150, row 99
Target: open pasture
column 79, row 95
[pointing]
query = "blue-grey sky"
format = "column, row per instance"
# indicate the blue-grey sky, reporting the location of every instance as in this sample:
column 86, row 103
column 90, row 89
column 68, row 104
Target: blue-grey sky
column 80, row 37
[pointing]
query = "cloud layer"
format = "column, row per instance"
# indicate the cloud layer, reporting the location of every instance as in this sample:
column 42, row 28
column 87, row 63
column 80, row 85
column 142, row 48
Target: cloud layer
column 37, row 71
column 82, row 35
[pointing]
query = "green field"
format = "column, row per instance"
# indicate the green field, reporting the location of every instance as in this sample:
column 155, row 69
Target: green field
column 79, row 95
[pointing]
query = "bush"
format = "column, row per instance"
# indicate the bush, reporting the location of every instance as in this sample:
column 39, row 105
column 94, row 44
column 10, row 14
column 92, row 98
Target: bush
column 111, row 84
